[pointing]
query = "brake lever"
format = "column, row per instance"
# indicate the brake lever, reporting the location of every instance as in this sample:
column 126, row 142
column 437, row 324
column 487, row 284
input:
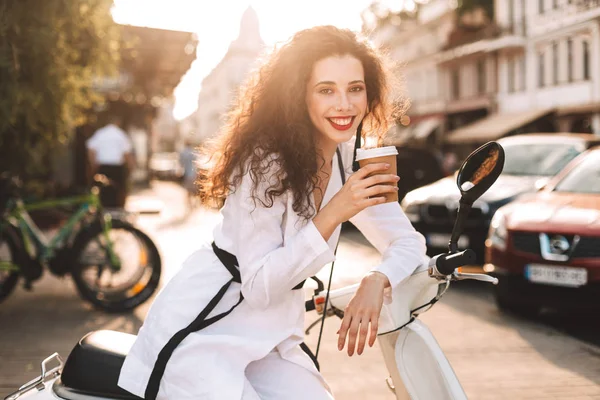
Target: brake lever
column 461, row 276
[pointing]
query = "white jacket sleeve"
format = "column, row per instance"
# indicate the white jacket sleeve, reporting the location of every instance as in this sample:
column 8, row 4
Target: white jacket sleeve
column 269, row 266
column 387, row 228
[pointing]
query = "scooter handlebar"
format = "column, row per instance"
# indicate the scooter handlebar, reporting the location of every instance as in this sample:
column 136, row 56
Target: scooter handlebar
column 309, row 305
column 447, row 263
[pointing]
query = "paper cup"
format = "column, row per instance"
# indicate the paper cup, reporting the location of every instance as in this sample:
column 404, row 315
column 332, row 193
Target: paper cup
column 380, row 155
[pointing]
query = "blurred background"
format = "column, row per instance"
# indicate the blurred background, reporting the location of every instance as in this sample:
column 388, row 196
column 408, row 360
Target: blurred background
column 160, row 75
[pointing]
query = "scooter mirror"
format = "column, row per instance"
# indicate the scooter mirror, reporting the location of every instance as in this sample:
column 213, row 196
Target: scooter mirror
column 479, row 171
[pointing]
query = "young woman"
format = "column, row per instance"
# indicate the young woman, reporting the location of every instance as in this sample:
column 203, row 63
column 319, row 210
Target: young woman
column 277, row 165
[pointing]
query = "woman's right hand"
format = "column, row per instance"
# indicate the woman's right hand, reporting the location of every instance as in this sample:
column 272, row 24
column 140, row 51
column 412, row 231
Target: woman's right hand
column 359, row 192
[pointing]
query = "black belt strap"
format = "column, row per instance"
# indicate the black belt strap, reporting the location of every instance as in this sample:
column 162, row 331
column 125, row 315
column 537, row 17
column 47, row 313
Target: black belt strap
column 231, row 263
column 310, row 354
column 199, row 323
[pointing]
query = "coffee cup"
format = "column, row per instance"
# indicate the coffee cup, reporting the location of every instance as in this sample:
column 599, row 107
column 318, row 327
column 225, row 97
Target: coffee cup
column 380, row 155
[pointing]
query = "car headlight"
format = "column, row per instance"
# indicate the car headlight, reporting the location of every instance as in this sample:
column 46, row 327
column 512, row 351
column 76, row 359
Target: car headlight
column 413, row 212
column 498, row 232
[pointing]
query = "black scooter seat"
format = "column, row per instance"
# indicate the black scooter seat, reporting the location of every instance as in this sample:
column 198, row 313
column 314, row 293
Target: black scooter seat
column 94, row 365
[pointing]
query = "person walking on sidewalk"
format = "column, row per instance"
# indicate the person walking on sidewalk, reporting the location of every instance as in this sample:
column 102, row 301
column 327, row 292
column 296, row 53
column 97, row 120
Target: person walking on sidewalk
column 187, row 159
column 110, row 153
column 281, row 163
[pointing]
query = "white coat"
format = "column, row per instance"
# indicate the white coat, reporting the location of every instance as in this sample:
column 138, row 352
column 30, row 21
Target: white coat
column 276, row 250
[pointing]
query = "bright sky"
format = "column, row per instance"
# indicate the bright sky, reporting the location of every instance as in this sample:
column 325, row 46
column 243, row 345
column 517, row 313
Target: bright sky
column 217, row 25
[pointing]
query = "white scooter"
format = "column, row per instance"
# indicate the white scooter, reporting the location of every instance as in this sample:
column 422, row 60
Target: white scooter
column 418, row 368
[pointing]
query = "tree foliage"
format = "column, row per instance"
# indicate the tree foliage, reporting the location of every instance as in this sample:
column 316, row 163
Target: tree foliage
column 50, row 53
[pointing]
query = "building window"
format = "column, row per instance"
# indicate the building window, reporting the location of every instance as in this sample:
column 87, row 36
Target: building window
column 570, row 60
column 541, row 6
column 481, row 77
column 586, row 60
column 555, row 68
column 511, row 75
column 541, row 70
column 455, row 84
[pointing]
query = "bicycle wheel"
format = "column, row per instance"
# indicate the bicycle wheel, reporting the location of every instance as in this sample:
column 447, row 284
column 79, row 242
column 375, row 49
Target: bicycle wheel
column 9, row 248
column 111, row 289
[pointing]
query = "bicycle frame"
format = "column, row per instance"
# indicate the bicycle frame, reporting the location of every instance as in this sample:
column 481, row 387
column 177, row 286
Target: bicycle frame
column 35, row 242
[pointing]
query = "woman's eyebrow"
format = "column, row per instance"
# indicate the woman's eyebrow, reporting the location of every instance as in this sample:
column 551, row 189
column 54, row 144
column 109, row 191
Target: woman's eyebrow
column 333, row 83
column 325, row 83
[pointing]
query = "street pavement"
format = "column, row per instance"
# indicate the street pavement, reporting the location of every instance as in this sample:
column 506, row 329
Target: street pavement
column 495, row 356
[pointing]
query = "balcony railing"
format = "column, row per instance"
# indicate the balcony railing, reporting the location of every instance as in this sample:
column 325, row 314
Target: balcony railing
column 567, row 14
column 584, row 5
column 513, row 29
column 461, row 35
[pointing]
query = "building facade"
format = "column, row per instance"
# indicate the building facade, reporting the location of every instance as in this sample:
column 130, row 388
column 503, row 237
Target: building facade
column 534, row 67
column 468, row 70
column 448, row 67
column 188, row 128
column 560, row 63
column 413, row 42
column 221, row 85
column 152, row 63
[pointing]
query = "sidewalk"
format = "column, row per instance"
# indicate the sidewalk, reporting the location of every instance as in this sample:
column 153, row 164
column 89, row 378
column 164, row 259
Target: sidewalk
column 495, row 356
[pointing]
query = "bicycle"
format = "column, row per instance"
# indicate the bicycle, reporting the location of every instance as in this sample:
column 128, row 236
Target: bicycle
column 96, row 247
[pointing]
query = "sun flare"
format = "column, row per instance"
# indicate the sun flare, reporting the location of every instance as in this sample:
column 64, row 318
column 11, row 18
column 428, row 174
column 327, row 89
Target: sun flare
column 217, row 25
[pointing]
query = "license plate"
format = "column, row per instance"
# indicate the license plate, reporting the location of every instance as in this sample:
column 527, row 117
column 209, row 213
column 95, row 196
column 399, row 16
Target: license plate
column 558, row 276
column 442, row 239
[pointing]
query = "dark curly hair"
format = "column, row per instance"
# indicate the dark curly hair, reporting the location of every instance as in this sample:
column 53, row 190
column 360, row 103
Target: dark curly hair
column 269, row 125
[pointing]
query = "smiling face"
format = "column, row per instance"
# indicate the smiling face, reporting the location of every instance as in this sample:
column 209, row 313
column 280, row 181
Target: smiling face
column 336, row 98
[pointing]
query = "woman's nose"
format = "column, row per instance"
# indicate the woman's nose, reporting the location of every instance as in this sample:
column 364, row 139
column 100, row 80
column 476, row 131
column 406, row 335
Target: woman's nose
column 344, row 102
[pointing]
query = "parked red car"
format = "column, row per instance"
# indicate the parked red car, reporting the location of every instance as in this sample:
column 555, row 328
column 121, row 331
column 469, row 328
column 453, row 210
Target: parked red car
column 545, row 246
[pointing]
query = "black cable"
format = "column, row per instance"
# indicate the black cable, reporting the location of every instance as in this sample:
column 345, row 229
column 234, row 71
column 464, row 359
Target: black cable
column 357, row 145
column 326, row 303
column 343, row 177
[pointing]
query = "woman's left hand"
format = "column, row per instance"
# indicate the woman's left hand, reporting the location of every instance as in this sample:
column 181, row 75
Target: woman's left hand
column 363, row 310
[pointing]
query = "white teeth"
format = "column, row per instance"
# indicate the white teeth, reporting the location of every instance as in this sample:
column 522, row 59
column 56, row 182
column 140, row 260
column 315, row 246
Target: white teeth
column 341, row 121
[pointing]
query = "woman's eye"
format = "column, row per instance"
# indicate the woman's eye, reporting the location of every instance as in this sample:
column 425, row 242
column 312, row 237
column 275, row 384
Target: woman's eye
column 356, row 89
column 326, row 91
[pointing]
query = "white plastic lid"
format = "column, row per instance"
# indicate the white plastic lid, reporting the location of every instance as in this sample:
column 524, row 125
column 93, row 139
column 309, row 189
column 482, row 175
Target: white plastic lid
column 362, row 154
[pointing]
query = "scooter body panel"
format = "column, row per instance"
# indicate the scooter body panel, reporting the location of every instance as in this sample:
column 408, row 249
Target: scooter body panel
column 55, row 390
column 387, row 344
column 413, row 293
column 418, row 367
column 422, row 366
